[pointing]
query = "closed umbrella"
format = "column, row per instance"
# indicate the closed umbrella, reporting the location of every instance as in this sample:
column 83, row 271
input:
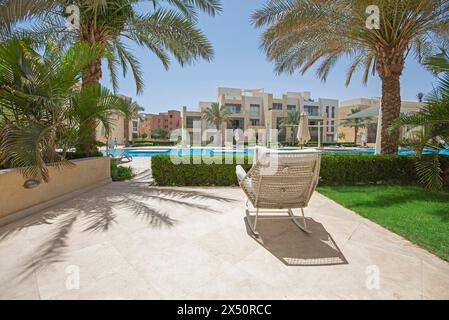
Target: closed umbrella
column 303, row 130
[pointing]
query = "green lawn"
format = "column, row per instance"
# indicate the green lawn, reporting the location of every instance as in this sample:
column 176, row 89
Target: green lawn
column 419, row 215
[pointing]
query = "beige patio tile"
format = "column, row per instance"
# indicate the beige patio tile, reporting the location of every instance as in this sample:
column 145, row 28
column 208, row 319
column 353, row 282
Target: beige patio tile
column 178, row 269
column 132, row 241
column 234, row 283
column 93, row 263
column 229, row 244
column 435, row 282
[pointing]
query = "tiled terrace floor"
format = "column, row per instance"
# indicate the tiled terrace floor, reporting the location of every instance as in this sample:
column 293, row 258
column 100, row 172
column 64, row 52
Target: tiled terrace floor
column 132, row 241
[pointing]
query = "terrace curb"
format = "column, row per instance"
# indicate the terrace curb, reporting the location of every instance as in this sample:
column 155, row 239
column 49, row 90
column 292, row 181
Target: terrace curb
column 21, row 214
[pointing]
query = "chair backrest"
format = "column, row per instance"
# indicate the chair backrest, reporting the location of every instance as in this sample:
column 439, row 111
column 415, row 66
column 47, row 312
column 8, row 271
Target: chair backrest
column 285, row 178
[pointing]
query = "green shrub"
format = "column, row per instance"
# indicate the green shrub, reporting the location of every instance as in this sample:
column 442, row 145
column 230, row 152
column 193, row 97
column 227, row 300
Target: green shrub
column 154, row 144
column 81, row 155
column 367, row 169
column 120, row 173
column 166, row 173
column 324, row 144
column 335, row 169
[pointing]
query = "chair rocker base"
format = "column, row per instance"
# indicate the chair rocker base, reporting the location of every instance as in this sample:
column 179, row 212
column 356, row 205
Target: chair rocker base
column 291, row 216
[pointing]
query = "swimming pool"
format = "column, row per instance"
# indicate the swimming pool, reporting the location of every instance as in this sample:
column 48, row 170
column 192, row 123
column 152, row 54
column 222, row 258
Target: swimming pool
column 152, row 151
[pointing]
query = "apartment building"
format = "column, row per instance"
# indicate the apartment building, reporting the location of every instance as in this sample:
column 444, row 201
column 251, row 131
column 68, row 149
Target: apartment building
column 122, row 129
column 369, row 113
column 258, row 110
column 169, row 121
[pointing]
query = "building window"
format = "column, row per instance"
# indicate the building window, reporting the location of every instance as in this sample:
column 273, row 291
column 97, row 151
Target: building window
column 135, row 126
column 171, row 116
column 333, row 112
column 191, row 121
column 312, row 110
column 255, row 122
column 291, row 107
column 233, row 108
column 254, row 110
column 327, row 111
column 236, row 124
column 277, row 106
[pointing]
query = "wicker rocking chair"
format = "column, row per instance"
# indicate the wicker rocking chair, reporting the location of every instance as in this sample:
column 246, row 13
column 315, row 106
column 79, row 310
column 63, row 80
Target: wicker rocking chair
column 279, row 181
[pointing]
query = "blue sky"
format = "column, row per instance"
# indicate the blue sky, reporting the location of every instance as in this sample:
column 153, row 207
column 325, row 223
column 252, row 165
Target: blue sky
column 239, row 62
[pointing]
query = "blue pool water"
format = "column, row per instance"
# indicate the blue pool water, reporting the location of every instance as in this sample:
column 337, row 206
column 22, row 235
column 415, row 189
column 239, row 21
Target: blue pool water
column 149, row 152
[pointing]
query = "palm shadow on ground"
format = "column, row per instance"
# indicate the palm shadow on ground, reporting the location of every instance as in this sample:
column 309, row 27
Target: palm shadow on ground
column 97, row 212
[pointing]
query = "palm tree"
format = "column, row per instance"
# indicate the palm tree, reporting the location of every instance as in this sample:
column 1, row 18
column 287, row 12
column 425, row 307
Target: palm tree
column 356, row 123
column 14, row 11
column 292, row 120
column 420, row 96
column 216, row 115
column 302, row 33
column 430, row 128
column 114, row 23
column 159, row 133
column 43, row 107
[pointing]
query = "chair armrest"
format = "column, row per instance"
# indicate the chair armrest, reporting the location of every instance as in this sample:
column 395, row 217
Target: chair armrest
column 241, row 173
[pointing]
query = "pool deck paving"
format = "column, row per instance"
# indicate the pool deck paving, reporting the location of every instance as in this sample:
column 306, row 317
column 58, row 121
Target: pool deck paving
column 130, row 240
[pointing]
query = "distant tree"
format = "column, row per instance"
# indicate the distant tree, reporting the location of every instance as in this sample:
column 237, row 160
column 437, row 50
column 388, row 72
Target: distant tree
column 420, row 96
column 144, row 136
column 356, row 123
column 216, row 115
column 159, row 133
column 292, row 121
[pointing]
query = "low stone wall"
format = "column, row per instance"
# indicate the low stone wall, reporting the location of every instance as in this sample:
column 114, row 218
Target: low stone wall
column 16, row 201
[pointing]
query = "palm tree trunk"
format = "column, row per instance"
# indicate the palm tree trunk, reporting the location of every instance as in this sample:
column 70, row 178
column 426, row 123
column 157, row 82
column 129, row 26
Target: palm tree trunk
column 391, row 110
column 92, row 76
column 356, row 132
column 93, row 73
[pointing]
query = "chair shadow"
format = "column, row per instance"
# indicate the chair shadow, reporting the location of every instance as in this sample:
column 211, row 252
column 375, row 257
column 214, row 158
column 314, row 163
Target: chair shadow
column 284, row 240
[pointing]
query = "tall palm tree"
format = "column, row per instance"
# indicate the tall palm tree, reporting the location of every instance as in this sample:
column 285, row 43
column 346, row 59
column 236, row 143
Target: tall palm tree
column 430, row 128
column 43, row 107
column 216, row 115
column 111, row 24
column 301, row 33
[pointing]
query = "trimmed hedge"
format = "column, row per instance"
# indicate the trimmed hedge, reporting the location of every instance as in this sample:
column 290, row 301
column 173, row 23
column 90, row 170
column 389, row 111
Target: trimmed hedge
column 335, row 170
column 324, row 144
column 81, row 155
column 367, row 169
column 154, row 144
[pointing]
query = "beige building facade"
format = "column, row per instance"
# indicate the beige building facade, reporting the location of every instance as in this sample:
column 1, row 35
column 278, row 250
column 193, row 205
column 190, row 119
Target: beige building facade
column 123, row 130
column 368, row 111
column 258, row 110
